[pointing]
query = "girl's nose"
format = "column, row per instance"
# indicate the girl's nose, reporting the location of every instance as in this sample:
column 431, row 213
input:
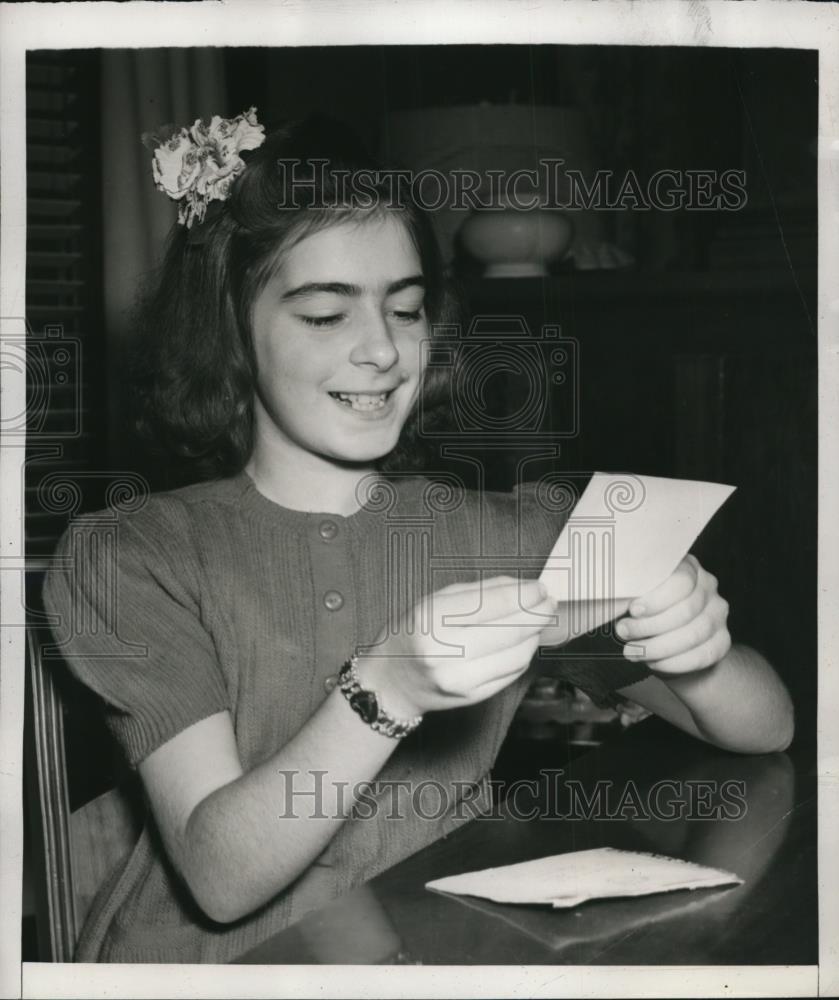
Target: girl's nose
column 375, row 345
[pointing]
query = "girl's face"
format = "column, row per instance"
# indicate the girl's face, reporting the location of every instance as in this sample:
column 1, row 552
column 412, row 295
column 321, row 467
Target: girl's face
column 337, row 335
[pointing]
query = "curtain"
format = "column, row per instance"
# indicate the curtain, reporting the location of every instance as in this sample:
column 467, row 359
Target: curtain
column 141, row 90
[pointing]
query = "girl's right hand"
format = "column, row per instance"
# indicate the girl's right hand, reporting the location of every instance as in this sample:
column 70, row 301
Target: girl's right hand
column 458, row 646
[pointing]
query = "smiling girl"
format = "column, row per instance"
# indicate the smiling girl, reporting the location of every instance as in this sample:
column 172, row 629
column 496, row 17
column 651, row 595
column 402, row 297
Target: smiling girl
column 337, row 338
column 297, row 639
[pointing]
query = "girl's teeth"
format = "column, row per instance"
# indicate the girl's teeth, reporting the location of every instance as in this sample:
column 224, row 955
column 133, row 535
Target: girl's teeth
column 363, row 401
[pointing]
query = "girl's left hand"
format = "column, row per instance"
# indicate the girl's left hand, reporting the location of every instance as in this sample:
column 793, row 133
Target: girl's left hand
column 681, row 626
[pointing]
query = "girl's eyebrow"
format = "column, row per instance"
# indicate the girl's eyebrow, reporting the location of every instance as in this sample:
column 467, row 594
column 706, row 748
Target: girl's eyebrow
column 343, row 288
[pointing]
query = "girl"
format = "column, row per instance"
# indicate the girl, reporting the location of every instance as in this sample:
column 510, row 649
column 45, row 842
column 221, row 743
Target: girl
column 311, row 618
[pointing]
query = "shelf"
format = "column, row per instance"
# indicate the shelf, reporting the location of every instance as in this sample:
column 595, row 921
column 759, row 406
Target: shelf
column 710, row 312
column 630, row 284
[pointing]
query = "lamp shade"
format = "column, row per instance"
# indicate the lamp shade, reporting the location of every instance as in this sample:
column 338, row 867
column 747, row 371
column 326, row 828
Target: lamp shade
column 497, row 142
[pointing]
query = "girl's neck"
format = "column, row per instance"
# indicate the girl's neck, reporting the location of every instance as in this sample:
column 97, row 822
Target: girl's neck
column 310, row 483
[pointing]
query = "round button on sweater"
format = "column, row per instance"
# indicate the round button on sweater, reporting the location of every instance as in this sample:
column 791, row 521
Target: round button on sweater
column 327, row 530
column 333, row 600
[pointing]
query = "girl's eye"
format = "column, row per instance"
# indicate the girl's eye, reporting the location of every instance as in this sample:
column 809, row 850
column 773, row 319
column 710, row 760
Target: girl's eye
column 322, row 322
column 403, row 316
column 408, row 315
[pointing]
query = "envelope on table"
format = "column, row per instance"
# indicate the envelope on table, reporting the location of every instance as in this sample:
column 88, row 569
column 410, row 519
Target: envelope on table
column 562, row 880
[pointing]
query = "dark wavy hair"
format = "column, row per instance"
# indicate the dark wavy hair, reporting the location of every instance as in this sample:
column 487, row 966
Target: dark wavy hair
column 193, row 366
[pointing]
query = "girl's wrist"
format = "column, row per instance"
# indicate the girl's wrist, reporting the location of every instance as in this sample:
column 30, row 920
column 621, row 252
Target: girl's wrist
column 378, row 673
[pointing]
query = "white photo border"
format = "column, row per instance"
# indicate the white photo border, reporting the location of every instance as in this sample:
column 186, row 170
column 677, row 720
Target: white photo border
column 795, row 24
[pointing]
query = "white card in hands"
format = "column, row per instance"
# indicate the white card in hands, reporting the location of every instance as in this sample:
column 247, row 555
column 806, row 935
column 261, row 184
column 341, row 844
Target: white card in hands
column 562, row 880
column 626, row 535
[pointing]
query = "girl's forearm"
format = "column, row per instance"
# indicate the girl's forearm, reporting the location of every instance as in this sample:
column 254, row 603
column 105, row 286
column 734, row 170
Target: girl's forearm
column 251, row 838
column 739, row 704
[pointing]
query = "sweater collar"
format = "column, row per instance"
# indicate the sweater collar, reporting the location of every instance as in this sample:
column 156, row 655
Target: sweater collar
column 379, row 497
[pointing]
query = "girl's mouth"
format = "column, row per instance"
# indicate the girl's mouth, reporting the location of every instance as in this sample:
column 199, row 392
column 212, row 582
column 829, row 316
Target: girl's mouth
column 363, row 402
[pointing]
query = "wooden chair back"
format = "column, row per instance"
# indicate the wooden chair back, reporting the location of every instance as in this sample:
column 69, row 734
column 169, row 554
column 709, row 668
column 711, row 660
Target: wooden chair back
column 72, row 853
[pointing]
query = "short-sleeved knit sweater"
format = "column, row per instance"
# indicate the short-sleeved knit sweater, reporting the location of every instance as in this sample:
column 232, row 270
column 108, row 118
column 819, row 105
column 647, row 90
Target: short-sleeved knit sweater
column 215, row 598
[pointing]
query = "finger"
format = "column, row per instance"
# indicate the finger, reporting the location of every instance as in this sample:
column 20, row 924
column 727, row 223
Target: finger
column 483, row 604
column 700, row 658
column 666, row 621
column 492, row 581
column 486, row 583
column 675, row 588
column 469, row 680
column 680, row 640
column 504, row 633
column 539, row 616
column 496, row 672
column 490, row 690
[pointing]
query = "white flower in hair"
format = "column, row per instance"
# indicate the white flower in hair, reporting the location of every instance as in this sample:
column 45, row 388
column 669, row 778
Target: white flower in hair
column 198, row 165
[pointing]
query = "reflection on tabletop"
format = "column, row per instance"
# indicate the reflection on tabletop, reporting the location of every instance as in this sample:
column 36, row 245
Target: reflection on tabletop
column 354, row 930
column 770, row 844
column 744, row 846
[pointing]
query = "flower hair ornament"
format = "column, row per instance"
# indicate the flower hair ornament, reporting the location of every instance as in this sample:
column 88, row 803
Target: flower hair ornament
column 198, row 165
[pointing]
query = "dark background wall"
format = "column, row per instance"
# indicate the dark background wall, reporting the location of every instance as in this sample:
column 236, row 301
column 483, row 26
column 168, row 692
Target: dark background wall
column 646, row 108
